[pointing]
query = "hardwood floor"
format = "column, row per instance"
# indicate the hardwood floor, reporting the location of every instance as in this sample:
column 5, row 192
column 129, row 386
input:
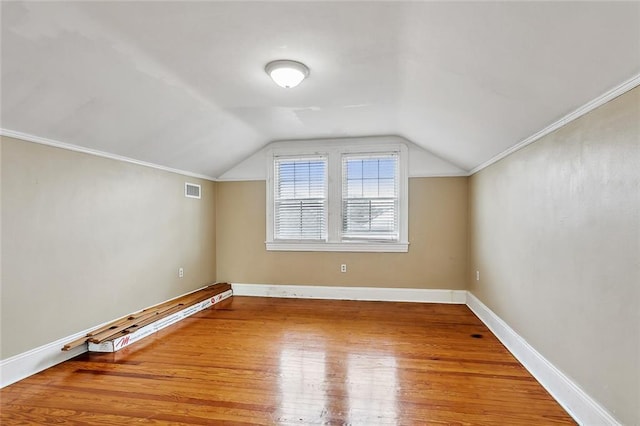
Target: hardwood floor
column 295, row 362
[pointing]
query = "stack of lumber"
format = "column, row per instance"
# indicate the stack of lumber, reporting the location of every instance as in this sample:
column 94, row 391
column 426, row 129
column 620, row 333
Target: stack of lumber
column 131, row 328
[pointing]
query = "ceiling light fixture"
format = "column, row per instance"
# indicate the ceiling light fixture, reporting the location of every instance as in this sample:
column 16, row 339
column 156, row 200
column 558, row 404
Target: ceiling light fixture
column 287, row 73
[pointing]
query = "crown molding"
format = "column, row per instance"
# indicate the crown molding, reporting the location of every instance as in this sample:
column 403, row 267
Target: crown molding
column 577, row 113
column 584, row 109
column 57, row 144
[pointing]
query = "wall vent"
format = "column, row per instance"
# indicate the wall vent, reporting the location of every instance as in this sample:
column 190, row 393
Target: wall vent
column 191, row 190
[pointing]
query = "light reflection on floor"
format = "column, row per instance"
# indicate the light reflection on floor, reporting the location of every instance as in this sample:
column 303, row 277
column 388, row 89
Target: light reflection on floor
column 371, row 386
column 308, row 396
column 302, row 386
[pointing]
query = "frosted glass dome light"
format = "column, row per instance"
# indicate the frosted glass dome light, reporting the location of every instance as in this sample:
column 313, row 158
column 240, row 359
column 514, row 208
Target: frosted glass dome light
column 287, row 73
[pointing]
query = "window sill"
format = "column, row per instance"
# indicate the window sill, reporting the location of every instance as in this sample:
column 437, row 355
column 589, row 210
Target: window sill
column 374, row 247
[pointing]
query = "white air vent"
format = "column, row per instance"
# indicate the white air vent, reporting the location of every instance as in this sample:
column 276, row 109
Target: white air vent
column 191, row 190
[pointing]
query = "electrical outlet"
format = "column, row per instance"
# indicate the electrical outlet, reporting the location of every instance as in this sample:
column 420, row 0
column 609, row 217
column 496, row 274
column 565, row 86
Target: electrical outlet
column 343, row 267
column 477, row 275
column 180, row 272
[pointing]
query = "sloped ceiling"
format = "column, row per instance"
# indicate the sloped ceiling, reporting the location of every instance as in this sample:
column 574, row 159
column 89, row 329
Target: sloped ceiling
column 182, row 84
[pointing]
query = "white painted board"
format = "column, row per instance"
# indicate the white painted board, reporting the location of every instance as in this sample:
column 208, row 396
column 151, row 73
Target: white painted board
column 124, row 341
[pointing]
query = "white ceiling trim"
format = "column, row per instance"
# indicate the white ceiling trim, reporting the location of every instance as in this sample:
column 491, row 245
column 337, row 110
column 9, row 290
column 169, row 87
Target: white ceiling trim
column 71, row 147
column 453, row 77
column 584, row 109
column 577, row 113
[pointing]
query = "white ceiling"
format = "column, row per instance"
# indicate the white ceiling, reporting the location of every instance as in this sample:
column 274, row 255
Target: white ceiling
column 182, row 84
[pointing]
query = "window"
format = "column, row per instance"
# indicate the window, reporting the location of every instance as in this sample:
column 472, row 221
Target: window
column 370, row 201
column 300, row 199
column 334, row 197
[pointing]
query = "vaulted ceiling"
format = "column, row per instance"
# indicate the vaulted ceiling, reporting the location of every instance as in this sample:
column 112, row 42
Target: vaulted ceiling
column 182, row 84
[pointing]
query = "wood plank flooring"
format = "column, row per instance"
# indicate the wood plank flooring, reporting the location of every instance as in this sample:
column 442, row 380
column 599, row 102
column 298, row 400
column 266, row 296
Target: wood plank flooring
column 295, row 362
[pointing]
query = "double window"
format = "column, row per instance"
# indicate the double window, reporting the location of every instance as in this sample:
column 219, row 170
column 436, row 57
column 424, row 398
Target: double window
column 338, row 199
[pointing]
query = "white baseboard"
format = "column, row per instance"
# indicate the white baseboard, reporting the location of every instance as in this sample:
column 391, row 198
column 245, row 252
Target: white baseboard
column 570, row 396
column 583, row 409
column 23, row 365
column 351, row 293
column 33, row 361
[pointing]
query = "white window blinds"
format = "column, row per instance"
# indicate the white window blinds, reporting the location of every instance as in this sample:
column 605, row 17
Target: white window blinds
column 300, row 198
column 370, row 202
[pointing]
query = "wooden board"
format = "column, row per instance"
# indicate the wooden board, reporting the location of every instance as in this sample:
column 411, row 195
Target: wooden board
column 134, row 322
column 179, row 313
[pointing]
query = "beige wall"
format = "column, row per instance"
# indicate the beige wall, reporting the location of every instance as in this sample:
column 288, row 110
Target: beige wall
column 555, row 234
column 87, row 239
column 437, row 256
column 554, row 230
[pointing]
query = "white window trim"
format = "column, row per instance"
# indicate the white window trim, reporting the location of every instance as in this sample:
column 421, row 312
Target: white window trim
column 378, row 247
column 334, row 151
